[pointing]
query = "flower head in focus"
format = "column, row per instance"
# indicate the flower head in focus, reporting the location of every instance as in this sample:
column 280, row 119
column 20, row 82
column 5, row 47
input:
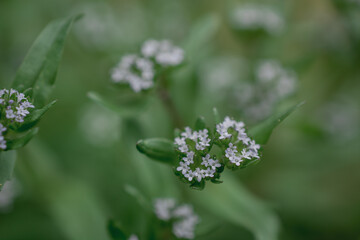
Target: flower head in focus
column 198, row 161
column 14, row 107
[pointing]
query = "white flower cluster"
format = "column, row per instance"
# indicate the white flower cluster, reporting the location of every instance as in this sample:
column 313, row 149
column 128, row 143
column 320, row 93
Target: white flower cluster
column 164, row 52
column 272, row 84
column 139, row 71
column 253, row 17
column 14, row 107
column 189, row 143
column 184, row 217
column 237, row 137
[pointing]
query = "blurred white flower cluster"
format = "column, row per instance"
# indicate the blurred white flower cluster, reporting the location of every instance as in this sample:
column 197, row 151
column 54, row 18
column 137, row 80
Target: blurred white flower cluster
column 163, row 52
column 14, row 107
column 241, row 146
column 139, row 70
column 196, row 164
column 272, row 84
column 183, row 217
column 256, row 17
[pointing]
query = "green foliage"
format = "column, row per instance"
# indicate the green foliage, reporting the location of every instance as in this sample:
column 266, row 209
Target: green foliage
column 7, row 164
column 39, row 68
column 262, row 131
column 21, row 140
column 231, row 201
column 115, row 230
column 34, row 117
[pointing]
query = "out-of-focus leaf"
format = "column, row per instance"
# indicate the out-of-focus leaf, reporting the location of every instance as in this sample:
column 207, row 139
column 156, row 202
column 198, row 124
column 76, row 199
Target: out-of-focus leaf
column 21, row 141
column 115, row 230
column 159, row 149
column 231, row 201
column 73, row 205
column 201, row 33
column 262, row 132
column 124, row 111
column 216, row 115
column 134, row 192
column 200, row 123
column 7, row 163
column 39, row 68
column 34, row 117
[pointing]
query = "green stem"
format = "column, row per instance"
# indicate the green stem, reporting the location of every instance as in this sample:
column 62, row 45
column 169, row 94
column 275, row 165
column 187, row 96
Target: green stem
column 169, row 105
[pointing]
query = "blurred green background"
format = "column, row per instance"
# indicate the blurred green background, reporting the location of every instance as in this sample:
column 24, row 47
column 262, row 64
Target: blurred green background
column 71, row 179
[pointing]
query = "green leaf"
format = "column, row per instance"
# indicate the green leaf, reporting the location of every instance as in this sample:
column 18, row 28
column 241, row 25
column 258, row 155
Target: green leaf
column 22, row 140
column 115, row 231
column 201, row 33
column 159, row 149
column 231, row 201
column 262, row 132
column 39, row 68
column 216, row 115
column 124, row 111
column 200, row 123
column 141, row 199
column 34, row 117
column 7, row 164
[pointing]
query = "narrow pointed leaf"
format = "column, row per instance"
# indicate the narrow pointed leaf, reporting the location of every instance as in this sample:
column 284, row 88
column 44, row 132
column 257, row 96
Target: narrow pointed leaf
column 7, row 164
column 262, row 132
column 21, row 141
column 159, row 149
column 200, row 33
column 39, row 68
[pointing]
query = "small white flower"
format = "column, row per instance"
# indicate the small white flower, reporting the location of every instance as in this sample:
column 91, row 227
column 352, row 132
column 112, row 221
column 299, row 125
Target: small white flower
column 253, row 17
column 136, row 71
column 186, row 227
column 10, row 114
column 183, row 168
column 189, row 159
column 163, row 208
column 164, row 52
column 183, row 216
